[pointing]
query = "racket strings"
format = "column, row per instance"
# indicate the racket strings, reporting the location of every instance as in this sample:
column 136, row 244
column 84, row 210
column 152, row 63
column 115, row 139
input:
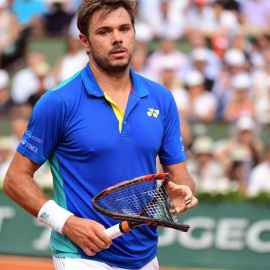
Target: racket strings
column 148, row 199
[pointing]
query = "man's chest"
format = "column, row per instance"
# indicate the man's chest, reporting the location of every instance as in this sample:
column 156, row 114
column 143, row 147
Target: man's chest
column 94, row 128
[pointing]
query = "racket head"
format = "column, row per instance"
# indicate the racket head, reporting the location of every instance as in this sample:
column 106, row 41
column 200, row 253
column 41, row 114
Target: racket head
column 143, row 200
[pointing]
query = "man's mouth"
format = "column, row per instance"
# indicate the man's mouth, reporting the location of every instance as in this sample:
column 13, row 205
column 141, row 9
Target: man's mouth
column 119, row 52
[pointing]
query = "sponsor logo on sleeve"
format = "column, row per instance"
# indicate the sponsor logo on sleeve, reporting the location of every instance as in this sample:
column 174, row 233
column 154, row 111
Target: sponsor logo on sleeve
column 23, row 142
column 29, row 146
column 33, row 137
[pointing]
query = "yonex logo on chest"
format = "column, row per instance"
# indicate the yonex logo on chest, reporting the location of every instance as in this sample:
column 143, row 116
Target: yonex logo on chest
column 153, row 112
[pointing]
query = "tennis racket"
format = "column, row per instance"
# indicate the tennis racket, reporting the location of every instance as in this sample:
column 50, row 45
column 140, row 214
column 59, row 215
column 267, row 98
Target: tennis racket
column 140, row 201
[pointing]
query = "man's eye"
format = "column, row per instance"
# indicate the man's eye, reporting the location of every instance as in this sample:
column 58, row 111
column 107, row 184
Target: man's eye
column 125, row 29
column 103, row 33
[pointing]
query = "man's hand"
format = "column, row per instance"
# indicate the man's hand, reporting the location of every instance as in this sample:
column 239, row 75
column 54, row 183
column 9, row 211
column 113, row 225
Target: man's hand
column 181, row 194
column 87, row 234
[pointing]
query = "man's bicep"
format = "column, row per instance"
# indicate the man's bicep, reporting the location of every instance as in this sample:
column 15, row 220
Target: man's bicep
column 22, row 165
column 20, row 186
column 176, row 169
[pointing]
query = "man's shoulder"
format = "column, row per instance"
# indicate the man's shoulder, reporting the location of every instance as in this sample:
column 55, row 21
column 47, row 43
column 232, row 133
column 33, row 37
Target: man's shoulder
column 70, row 88
column 64, row 93
column 70, row 83
column 153, row 87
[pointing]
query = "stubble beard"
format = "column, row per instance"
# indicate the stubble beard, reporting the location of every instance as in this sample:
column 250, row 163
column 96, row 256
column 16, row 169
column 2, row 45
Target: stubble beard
column 104, row 65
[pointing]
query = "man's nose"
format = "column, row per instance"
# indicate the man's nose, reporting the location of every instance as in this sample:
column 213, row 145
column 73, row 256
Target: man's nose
column 117, row 37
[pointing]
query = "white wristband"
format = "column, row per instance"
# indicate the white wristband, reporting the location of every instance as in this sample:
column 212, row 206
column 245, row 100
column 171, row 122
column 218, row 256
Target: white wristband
column 53, row 215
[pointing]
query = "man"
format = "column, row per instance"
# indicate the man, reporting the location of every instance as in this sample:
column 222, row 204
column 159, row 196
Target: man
column 97, row 129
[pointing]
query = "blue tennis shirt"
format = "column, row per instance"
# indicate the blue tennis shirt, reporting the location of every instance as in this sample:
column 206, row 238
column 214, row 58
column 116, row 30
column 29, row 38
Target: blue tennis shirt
column 76, row 128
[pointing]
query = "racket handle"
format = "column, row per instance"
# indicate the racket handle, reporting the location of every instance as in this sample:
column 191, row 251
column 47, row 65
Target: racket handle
column 114, row 231
column 118, row 230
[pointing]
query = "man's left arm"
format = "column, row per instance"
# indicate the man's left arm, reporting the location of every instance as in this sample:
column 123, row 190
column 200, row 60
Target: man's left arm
column 182, row 187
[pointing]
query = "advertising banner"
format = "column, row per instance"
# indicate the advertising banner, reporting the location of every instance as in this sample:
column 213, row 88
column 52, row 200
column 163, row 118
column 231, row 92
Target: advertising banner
column 222, row 235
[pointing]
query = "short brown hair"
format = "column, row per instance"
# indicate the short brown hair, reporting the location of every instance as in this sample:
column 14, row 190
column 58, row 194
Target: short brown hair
column 89, row 7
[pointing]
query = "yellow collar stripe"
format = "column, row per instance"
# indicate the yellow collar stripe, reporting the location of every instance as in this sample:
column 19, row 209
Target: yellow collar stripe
column 118, row 113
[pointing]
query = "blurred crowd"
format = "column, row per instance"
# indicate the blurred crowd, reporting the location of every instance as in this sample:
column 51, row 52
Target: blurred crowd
column 214, row 56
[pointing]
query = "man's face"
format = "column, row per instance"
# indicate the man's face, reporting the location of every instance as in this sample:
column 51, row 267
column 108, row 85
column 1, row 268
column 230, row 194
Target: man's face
column 110, row 41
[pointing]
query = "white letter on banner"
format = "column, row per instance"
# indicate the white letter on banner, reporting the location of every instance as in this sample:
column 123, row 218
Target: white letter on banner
column 253, row 237
column 43, row 242
column 206, row 238
column 5, row 213
column 230, row 233
column 167, row 238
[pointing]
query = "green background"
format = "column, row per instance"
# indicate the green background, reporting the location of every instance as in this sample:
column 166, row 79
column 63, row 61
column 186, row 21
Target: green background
column 20, row 232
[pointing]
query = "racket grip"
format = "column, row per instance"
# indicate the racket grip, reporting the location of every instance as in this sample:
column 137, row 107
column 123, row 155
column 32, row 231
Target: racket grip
column 114, row 231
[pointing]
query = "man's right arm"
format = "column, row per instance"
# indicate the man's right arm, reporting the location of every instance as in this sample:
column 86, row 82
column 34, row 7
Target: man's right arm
column 21, row 188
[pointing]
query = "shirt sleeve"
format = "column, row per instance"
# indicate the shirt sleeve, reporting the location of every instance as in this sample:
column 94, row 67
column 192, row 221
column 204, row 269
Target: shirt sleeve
column 45, row 128
column 172, row 150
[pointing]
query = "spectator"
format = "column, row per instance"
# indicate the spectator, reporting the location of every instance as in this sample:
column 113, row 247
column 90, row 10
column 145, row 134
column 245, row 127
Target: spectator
column 261, row 43
column 199, row 61
column 222, row 24
column 241, row 104
column 239, row 41
column 6, row 103
column 167, row 23
column 26, row 81
column 224, row 21
column 244, row 137
column 73, row 61
column 198, row 41
column 138, row 61
column 41, row 72
column 187, row 136
column 70, row 6
column 263, row 107
column 30, row 15
column 8, row 147
column 18, row 127
column 204, row 169
column 256, row 17
column 169, row 79
column 234, row 63
column 9, row 36
column 57, row 19
column 167, row 50
column 6, row 155
column 145, row 6
column 197, row 17
column 144, row 32
column 239, row 157
column 231, row 5
column 196, row 103
column 261, row 75
column 73, row 30
column 259, row 180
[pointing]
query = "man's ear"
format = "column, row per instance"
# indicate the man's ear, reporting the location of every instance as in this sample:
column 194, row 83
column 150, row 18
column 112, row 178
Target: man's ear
column 85, row 42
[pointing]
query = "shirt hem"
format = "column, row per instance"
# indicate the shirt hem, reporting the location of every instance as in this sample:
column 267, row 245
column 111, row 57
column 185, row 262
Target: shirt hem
column 28, row 154
column 172, row 161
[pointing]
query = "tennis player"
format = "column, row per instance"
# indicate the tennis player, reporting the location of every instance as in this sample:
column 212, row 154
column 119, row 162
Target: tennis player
column 104, row 125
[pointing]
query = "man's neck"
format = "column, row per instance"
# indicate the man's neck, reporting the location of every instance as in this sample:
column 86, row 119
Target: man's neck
column 113, row 82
